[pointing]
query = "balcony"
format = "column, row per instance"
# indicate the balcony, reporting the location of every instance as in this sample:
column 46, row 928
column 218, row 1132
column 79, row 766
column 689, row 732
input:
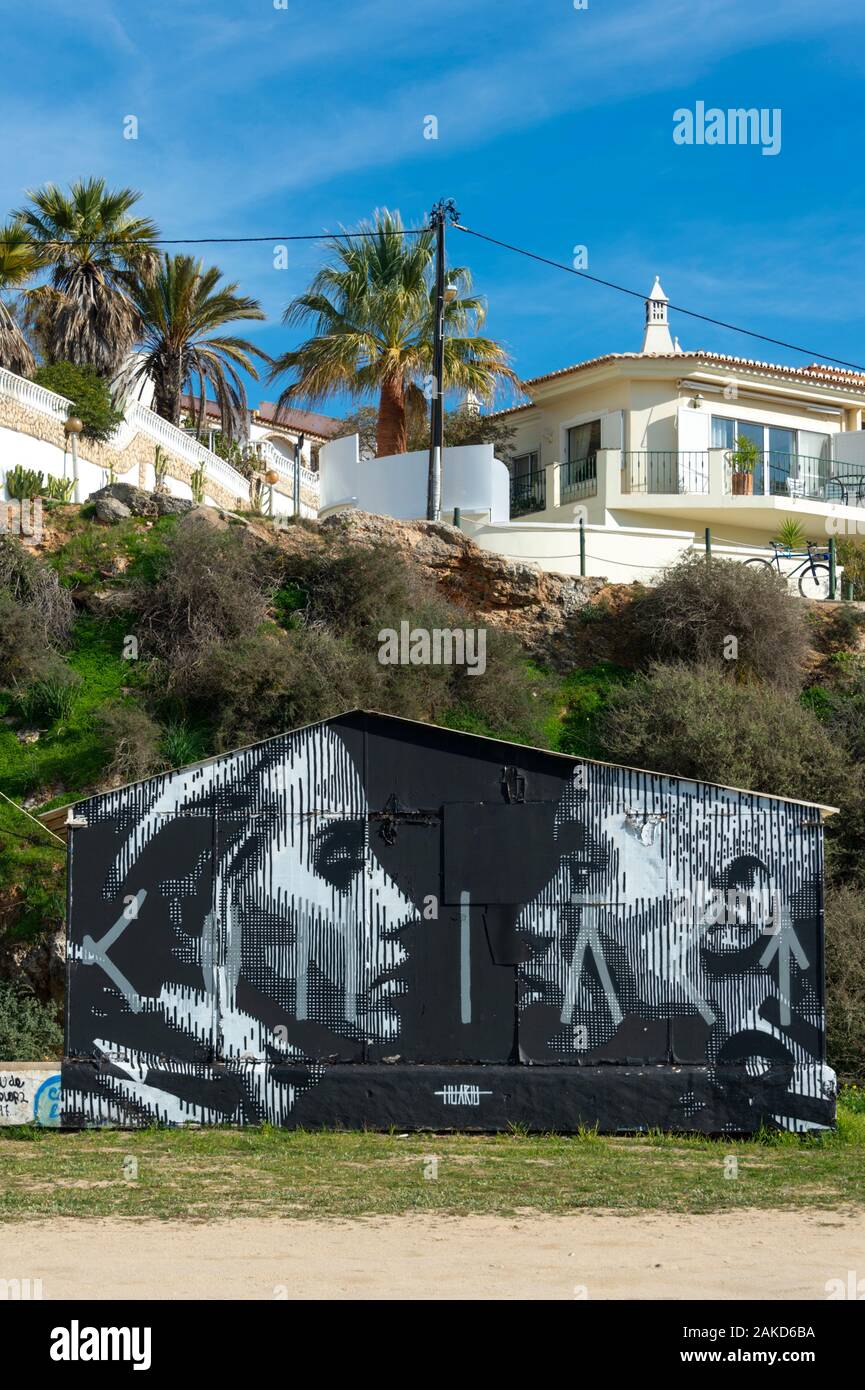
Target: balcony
column 578, row 479
column 797, row 476
column 665, row 472
column 528, row 493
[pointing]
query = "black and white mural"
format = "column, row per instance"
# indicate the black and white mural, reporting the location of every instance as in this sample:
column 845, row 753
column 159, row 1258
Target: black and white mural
column 372, row 921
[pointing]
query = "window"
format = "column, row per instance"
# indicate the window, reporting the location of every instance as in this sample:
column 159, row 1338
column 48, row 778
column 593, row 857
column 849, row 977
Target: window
column 797, row 460
column 584, row 440
column 524, row 465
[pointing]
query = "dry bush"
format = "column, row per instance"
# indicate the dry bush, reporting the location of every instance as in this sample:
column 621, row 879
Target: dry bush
column 132, row 742
column 213, row 586
column 22, row 648
column 29, row 581
column 696, row 607
column 270, row 681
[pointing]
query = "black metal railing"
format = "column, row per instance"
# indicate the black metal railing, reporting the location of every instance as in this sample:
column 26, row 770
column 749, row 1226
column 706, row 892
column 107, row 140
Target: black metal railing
column 578, row 478
column 529, row 493
column 794, row 476
column 666, row 471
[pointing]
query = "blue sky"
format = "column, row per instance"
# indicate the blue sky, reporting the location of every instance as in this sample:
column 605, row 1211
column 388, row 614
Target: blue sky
column 555, row 128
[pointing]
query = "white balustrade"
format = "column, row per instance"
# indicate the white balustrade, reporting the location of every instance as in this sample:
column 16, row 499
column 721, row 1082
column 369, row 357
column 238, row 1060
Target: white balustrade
column 273, row 458
column 176, row 442
column 37, row 397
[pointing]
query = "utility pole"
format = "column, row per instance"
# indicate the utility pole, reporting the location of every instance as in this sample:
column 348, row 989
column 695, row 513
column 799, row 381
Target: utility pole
column 442, row 213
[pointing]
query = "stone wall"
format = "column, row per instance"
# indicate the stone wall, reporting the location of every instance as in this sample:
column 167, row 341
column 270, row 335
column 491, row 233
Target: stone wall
column 138, row 454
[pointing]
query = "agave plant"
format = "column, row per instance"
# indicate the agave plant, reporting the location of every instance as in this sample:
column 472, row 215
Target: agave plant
column 791, row 534
column 372, row 311
column 95, row 249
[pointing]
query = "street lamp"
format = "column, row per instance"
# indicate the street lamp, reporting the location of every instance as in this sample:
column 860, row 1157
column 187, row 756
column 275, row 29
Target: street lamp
column 271, row 477
column 72, row 428
column 443, row 212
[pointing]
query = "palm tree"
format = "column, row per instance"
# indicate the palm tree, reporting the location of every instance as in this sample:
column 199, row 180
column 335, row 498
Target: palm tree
column 19, row 262
column 95, row 250
column 178, row 308
column 372, row 311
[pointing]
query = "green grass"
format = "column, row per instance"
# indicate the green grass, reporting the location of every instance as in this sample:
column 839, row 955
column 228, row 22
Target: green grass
column 581, row 699
column 68, row 755
column 216, row 1174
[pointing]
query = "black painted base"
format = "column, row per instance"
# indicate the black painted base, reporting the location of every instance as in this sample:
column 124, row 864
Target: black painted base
column 615, row 1098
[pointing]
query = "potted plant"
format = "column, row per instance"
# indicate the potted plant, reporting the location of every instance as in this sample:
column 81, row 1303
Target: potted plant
column 743, row 461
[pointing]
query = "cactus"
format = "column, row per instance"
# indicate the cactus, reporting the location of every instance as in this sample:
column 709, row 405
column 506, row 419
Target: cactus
column 22, row 484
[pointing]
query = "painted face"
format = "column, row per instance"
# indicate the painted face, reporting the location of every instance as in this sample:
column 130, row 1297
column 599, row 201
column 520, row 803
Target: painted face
column 655, row 911
column 304, row 893
column 304, row 933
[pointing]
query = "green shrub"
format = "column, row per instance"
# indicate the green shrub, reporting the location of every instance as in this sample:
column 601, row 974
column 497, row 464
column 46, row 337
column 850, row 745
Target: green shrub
column 50, row 697
column 22, row 484
column 693, row 723
column 89, row 393
column 289, row 602
column 851, row 554
column 845, row 980
column 695, row 609
column 181, row 744
column 29, row 1031
column 791, row 534
column 841, row 707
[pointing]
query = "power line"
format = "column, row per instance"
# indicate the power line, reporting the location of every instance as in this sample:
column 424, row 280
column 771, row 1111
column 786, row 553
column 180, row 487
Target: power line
column 119, row 243
column 635, row 294
column 33, row 818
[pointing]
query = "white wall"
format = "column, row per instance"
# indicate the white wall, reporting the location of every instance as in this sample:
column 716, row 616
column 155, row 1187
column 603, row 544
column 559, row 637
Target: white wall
column 620, row 554
column 29, row 1093
column 472, row 479
column 849, row 448
column 49, row 460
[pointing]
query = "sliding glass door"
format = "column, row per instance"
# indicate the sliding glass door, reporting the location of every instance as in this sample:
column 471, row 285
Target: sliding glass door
column 792, row 463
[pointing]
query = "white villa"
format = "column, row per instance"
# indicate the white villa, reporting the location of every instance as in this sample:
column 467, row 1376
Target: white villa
column 643, row 447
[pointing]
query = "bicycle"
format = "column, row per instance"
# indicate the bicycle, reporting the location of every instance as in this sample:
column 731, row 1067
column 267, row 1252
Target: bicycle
column 814, row 579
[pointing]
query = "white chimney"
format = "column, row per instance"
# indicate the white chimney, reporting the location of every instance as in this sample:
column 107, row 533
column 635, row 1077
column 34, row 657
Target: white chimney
column 657, row 338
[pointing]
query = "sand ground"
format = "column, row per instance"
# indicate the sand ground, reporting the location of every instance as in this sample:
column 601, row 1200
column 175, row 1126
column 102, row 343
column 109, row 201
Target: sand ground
column 759, row 1254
